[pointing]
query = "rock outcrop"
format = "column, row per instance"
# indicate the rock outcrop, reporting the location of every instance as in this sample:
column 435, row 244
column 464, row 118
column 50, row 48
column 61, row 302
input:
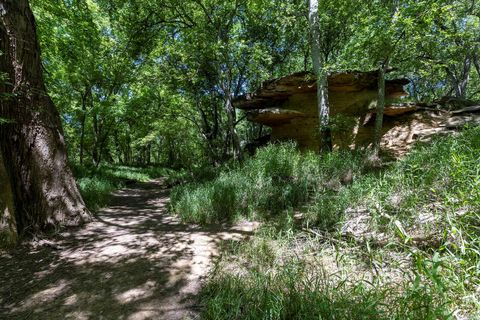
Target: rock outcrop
column 288, row 105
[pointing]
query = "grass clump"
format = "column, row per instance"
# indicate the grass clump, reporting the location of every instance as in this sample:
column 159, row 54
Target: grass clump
column 278, row 178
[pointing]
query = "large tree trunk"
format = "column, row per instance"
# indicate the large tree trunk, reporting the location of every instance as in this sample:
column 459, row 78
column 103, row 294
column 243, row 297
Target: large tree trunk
column 32, row 146
column 8, row 227
column 380, row 109
column 322, row 79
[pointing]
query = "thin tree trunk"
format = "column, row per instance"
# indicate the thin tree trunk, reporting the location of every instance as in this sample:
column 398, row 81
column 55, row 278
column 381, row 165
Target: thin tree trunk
column 171, row 153
column 380, row 109
column 230, row 109
column 149, row 154
column 82, row 126
column 322, row 80
column 96, row 154
column 467, row 65
column 477, row 64
column 208, row 133
column 32, row 145
column 118, row 147
column 460, row 84
column 128, row 152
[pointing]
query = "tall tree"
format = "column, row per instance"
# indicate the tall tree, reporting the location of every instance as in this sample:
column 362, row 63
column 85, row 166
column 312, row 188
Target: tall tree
column 8, row 229
column 390, row 33
column 330, row 29
column 31, row 140
column 379, row 41
column 322, row 78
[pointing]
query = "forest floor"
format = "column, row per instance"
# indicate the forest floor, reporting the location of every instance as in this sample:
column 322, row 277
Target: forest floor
column 134, row 261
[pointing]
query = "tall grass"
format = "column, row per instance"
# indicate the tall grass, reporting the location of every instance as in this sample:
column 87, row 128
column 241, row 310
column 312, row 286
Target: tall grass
column 272, row 279
column 426, row 207
column 276, row 179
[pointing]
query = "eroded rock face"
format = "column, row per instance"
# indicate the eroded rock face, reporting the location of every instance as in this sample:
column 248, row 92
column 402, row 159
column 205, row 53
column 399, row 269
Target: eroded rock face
column 273, row 93
column 288, row 105
column 274, row 116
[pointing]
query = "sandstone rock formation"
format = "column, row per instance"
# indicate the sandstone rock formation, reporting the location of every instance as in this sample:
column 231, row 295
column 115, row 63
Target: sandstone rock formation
column 288, row 105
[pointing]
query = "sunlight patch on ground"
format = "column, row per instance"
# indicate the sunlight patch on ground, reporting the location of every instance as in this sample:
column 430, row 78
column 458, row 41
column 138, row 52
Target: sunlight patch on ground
column 43, row 297
column 79, row 315
column 135, row 261
column 142, row 292
column 71, row 300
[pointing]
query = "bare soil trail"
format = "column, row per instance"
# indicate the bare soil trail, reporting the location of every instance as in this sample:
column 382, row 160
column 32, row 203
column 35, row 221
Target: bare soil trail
column 135, row 261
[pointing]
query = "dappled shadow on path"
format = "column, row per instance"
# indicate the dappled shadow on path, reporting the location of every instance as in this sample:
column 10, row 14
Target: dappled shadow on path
column 135, row 261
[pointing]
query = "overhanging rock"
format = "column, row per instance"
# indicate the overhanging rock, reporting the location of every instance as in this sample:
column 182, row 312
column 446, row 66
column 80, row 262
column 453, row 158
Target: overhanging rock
column 289, row 106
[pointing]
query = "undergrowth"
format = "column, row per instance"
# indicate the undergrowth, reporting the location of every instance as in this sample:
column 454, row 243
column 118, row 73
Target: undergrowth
column 276, row 179
column 400, row 243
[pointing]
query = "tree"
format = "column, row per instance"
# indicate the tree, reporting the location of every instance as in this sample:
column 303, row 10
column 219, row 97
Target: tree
column 456, row 44
column 32, row 143
column 389, row 34
column 379, row 40
column 8, row 228
column 330, row 28
column 322, row 78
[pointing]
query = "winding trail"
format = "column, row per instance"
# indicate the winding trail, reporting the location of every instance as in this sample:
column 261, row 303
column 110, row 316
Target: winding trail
column 134, row 261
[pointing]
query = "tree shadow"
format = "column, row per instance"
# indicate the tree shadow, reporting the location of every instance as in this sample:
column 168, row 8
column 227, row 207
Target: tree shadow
column 133, row 262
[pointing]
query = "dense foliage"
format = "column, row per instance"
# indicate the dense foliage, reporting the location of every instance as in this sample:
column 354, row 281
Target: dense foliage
column 153, row 82
column 143, row 85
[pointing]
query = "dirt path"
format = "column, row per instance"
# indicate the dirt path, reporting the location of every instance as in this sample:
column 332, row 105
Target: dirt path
column 133, row 262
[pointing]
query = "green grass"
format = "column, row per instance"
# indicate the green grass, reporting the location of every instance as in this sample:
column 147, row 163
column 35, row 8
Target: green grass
column 96, row 184
column 276, row 179
column 271, row 279
column 414, row 252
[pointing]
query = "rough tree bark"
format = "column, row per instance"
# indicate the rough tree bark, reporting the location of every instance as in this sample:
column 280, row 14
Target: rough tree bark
column 33, row 151
column 8, row 228
column 322, row 79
